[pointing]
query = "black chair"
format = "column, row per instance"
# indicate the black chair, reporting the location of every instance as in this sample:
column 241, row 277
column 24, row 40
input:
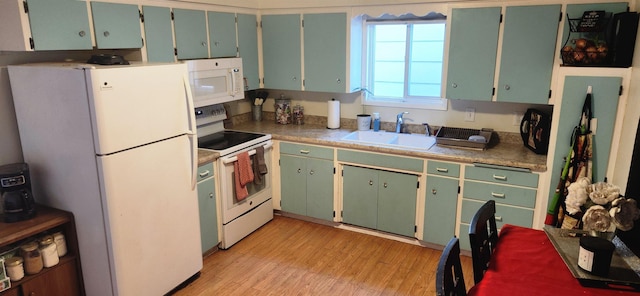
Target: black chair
column 483, row 236
column 449, row 278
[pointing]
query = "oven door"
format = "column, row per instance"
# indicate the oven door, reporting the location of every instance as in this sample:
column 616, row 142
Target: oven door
column 258, row 193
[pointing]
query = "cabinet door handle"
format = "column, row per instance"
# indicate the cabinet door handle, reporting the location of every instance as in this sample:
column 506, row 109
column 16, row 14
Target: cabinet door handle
column 498, row 195
column 305, row 151
column 499, row 218
column 370, row 182
column 299, row 171
column 81, row 33
column 507, row 87
column 203, row 43
column 204, row 174
column 339, row 80
column 454, row 85
column 434, row 191
column 211, row 195
column 501, row 178
column 385, row 185
column 311, row 172
column 106, row 33
column 442, row 170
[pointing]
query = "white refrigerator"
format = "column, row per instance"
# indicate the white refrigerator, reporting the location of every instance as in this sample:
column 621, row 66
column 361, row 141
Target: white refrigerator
column 116, row 146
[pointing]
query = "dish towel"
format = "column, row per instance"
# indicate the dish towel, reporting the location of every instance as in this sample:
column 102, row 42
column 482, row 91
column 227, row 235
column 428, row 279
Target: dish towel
column 244, row 168
column 259, row 166
column 241, row 191
column 243, row 174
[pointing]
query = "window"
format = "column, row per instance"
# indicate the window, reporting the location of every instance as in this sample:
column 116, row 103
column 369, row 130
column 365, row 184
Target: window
column 404, row 62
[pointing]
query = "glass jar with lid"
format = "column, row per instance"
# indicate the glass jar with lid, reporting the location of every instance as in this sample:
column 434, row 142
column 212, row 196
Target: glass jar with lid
column 49, row 251
column 15, row 268
column 32, row 257
column 61, row 243
column 298, row 114
column 283, row 110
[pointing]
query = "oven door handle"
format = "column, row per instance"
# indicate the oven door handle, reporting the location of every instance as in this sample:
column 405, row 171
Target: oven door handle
column 251, row 152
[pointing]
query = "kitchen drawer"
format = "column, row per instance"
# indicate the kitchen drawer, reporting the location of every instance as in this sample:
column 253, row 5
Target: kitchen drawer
column 205, row 171
column 501, row 176
column 443, row 168
column 381, row 160
column 517, row 196
column 306, row 150
column 504, row 214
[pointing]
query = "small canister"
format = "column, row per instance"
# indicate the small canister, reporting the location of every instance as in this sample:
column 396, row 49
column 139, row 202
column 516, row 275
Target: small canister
column 32, row 258
column 61, row 243
column 15, row 268
column 283, row 110
column 298, row 114
column 49, row 251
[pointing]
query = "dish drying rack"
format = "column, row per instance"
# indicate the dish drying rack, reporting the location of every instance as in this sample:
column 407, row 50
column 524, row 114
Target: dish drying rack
column 455, row 136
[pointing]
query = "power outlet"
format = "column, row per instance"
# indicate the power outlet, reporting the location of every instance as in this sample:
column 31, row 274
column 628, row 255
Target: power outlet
column 517, row 118
column 470, row 114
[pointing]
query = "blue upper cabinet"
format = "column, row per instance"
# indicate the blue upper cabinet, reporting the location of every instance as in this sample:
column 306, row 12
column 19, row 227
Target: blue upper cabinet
column 191, row 34
column 248, row 49
column 325, row 52
column 116, row 25
column 472, row 53
column 528, row 49
column 158, row 34
column 222, row 34
column 281, row 51
column 58, row 24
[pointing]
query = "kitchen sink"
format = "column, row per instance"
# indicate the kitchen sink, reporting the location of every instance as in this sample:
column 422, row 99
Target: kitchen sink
column 394, row 140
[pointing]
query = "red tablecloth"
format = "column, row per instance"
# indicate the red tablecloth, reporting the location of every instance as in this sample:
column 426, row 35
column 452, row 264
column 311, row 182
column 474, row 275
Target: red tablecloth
column 526, row 263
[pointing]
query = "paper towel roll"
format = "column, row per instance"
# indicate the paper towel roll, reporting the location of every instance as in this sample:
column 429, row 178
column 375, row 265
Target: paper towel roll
column 333, row 114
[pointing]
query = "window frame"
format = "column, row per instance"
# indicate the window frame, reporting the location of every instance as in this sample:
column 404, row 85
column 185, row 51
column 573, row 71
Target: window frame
column 430, row 103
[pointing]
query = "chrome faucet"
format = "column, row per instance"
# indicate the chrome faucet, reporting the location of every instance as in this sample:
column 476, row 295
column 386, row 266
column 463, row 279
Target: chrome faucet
column 400, row 122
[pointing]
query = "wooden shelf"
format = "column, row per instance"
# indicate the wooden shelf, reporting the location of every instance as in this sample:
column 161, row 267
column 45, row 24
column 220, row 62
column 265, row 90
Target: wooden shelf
column 45, row 219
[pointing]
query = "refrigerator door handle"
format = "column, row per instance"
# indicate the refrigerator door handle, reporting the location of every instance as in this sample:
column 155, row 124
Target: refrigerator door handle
column 190, row 106
column 193, row 140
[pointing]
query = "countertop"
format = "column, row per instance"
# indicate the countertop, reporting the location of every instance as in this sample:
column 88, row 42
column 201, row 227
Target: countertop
column 504, row 149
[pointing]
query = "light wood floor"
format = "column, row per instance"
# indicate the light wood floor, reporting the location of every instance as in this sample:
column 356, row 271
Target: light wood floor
column 292, row 257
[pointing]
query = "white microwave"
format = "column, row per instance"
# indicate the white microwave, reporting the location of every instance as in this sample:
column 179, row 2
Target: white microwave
column 215, row 81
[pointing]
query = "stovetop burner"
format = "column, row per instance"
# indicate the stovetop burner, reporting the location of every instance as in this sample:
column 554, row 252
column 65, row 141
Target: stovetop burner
column 226, row 139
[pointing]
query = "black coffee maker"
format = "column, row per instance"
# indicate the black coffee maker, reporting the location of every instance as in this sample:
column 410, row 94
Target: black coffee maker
column 16, row 199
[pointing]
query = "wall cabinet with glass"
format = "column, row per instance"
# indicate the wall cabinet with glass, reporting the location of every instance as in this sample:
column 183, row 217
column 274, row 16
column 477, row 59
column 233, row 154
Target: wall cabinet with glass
column 526, row 61
column 38, row 25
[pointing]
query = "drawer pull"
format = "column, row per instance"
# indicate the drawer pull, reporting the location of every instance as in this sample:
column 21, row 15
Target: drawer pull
column 311, row 172
column 304, row 151
column 434, row 191
column 299, row 171
column 498, row 195
column 385, row 185
column 210, row 195
column 204, row 174
column 499, row 218
column 370, row 182
column 501, row 178
column 442, row 170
